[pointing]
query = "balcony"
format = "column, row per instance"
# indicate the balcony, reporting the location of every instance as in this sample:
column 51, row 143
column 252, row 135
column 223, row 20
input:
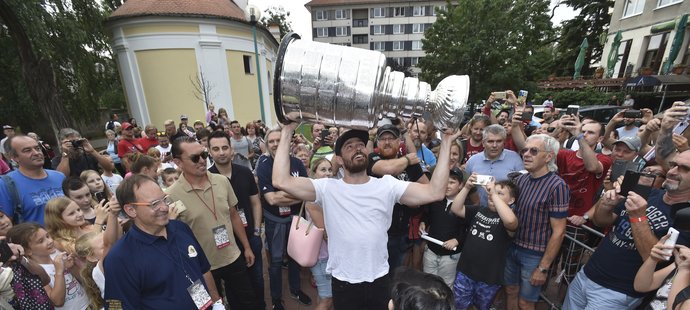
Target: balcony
column 360, row 23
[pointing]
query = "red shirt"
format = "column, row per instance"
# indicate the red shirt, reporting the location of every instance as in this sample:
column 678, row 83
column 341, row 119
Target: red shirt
column 147, row 143
column 125, row 147
column 471, row 150
column 583, row 184
column 509, row 144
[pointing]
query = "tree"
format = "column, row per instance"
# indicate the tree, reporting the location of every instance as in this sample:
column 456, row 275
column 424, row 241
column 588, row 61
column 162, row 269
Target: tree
column 395, row 66
column 277, row 16
column 592, row 22
column 56, row 61
column 500, row 44
column 203, row 88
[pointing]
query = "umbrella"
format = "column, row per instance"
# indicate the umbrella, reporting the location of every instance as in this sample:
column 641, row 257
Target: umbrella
column 613, row 54
column 580, row 61
column 677, row 42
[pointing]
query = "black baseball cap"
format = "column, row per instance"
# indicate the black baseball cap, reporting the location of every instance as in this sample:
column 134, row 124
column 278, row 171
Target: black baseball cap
column 390, row 128
column 353, row 133
column 458, row 173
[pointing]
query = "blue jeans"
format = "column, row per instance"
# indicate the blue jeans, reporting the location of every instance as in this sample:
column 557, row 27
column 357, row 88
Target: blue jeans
column 276, row 238
column 397, row 246
column 586, row 294
column 520, row 264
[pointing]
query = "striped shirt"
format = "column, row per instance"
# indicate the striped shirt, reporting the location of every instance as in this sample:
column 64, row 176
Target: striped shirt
column 539, row 200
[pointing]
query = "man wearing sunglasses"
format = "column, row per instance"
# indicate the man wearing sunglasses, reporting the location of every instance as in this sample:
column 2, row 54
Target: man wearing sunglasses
column 542, row 208
column 357, row 211
column 155, row 264
column 212, row 215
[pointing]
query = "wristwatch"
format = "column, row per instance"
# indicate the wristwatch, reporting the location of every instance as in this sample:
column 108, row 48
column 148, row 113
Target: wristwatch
column 257, row 231
column 542, row 270
column 586, row 217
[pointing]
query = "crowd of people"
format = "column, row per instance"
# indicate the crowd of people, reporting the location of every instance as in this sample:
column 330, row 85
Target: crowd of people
column 414, row 216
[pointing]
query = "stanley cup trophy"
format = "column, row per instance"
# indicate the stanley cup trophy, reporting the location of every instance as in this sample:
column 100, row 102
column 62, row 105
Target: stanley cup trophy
column 352, row 87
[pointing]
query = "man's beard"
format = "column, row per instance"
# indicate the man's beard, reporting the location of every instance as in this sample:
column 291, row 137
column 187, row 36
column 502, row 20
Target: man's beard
column 353, row 167
column 670, row 187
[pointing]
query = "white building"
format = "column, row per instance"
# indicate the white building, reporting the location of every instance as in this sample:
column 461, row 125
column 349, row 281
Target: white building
column 395, row 28
column 648, row 28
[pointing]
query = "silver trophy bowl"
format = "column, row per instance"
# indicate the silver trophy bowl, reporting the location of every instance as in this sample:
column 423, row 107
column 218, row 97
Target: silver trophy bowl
column 352, row 87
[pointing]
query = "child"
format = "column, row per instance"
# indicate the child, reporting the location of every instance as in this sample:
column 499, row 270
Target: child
column 95, row 184
column 169, row 176
column 414, row 290
column 112, row 180
column 64, row 290
column 65, row 222
column 90, row 248
column 76, row 190
column 490, row 233
column 444, row 225
column 321, row 168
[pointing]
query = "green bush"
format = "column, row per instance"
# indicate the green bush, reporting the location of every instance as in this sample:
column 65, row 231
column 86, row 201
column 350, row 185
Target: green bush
column 591, row 96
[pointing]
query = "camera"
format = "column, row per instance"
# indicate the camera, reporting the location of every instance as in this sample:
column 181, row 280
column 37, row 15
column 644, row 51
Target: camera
column 77, row 143
column 632, row 114
column 500, row 95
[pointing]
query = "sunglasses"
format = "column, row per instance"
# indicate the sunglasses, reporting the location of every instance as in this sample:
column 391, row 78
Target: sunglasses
column 532, row 151
column 195, row 158
column 550, row 129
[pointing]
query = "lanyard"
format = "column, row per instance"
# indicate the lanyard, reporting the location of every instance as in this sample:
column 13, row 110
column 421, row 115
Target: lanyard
column 213, row 196
column 180, row 264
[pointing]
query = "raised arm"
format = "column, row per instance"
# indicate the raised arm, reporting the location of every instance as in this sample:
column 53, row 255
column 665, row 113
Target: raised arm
column 589, row 157
column 298, row 187
column 458, row 205
column 643, row 235
column 510, row 221
column 517, row 132
column 418, row 194
column 610, row 127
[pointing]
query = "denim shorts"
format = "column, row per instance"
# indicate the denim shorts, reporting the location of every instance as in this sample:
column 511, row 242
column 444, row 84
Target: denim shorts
column 322, row 279
column 520, row 264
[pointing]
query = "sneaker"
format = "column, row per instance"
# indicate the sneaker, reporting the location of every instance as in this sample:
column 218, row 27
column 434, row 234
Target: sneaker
column 301, row 297
column 278, row 304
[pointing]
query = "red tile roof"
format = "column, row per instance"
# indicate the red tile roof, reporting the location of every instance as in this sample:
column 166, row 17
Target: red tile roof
column 352, row 2
column 191, row 8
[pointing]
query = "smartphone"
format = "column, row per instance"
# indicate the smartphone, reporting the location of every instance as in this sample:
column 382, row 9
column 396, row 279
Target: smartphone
column 572, row 109
column 324, row 134
column 672, row 239
column 639, row 183
column 100, row 196
column 483, row 179
column 527, row 116
column 499, row 95
column 5, row 252
column 618, row 169
column 632, row 114
column 522, row 96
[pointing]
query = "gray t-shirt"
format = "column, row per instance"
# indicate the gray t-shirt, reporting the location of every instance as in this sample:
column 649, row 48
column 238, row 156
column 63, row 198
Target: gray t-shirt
column 241, row 149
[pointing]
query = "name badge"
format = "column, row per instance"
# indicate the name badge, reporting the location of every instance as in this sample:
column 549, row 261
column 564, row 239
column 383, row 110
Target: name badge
column 220, row 236
column 243, row 217
column 284, row 211
column 199, row 295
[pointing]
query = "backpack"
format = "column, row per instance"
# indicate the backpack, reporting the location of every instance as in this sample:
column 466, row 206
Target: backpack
column 14, row 193
column 111, row 125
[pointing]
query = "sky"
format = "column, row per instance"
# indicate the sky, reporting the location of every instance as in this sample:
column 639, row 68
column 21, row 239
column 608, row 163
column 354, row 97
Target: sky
column 301, row 19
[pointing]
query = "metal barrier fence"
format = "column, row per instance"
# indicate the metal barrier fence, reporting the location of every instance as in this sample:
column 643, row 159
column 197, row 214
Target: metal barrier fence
column 575, row 251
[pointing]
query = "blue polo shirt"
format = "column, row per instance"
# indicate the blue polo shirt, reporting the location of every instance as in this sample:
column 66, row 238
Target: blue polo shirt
column 499, row 168
column 148, row 272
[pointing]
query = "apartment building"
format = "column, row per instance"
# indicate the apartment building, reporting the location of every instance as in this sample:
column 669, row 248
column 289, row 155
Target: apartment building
column 648, row 29
column 395, row 28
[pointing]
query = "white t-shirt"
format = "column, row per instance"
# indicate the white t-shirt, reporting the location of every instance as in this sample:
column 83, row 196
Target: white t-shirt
column 164, row 150
column 98, row 277
column 622, row 132
column 75, row 296
column 357, row 218
column 112, row 182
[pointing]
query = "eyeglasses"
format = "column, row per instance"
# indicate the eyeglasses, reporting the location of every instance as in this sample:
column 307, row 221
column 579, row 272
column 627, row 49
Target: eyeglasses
column 681, row 168
column 195, row 158
column 550, row 129
column 156, row 204
column 532, row 151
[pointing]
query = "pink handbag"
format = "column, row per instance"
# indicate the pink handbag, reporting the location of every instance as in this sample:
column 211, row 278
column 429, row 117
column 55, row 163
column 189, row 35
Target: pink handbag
column 304, row 242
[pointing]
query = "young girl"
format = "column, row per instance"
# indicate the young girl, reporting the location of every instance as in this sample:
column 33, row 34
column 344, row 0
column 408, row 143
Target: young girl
column 321, row 168
column 64, row 290
column 112, row 180
column 90, row 248
column 76, row 190
column 65, row 222
column 144, row 164
column 95, row 183
column 169, row 176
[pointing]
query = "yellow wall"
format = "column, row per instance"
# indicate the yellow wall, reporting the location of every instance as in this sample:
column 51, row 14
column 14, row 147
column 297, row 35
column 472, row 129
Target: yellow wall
column 244, row 87
column 158, row 28
column 165, row 77
column 234, row 32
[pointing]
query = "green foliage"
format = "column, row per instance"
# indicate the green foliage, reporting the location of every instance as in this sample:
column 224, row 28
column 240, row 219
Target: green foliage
column 500, row 44
column 71, row 36
column 584, row 97
column 277, row 16
column 592, row 22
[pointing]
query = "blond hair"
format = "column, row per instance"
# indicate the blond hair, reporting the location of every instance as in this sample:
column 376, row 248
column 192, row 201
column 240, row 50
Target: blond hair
column 84, row 249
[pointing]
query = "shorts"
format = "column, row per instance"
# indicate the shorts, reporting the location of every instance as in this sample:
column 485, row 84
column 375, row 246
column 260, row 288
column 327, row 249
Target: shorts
column 322, row 279
column 470, row 292
column 520, row 264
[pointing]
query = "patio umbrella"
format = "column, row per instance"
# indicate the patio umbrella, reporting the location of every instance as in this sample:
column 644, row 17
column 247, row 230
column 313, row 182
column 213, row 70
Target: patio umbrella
column 580, row 61
column 677, row 42
column 613, row 54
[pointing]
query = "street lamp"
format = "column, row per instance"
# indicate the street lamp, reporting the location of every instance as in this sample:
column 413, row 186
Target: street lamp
column 252, row 13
